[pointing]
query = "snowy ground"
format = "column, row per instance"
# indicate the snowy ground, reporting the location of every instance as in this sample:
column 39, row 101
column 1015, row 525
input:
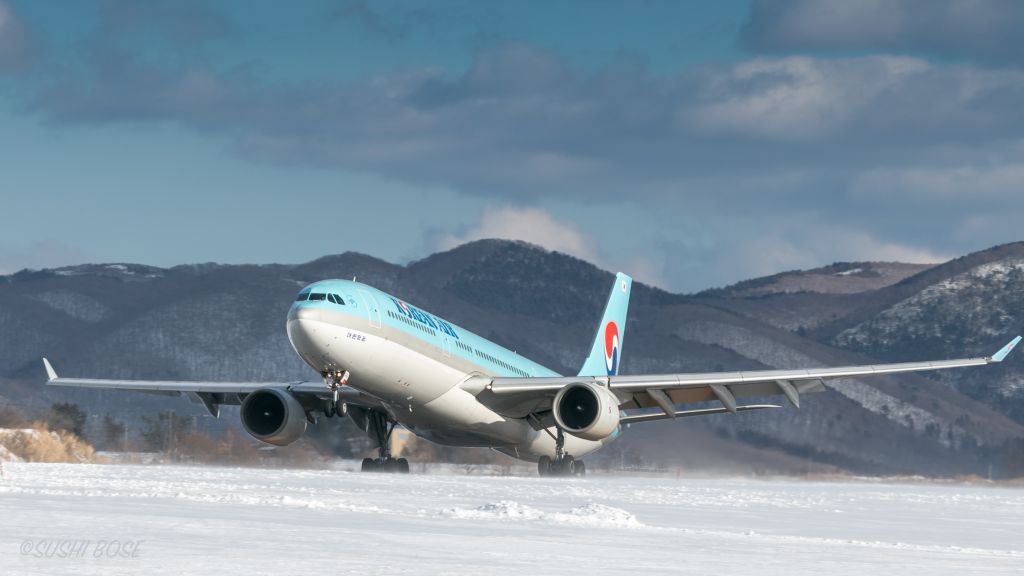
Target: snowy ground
column 55, row 519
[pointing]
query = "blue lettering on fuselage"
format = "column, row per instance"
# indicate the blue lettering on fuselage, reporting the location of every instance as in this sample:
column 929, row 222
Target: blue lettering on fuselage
column 424, row 318
column 448, row 328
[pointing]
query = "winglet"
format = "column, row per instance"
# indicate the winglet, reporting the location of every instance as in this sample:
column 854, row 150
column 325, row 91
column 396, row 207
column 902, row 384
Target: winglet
column 50, row 372
column 1005, row 351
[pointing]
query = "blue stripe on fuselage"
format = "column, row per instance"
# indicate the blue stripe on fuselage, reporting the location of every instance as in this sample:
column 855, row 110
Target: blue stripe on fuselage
column 489, row 357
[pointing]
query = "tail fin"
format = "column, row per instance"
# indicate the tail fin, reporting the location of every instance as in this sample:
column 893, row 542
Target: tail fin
column 606, row 354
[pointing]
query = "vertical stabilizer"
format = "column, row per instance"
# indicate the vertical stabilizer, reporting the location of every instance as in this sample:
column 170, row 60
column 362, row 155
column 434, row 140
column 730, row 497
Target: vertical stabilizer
column 606, row 353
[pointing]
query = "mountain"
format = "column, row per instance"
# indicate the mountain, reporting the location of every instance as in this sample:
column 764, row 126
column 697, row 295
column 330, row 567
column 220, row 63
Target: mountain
column 223, row 322
column 838, row 278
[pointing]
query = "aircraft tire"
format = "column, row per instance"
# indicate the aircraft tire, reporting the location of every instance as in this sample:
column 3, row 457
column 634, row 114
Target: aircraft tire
column 544, row 466
column 567, row 466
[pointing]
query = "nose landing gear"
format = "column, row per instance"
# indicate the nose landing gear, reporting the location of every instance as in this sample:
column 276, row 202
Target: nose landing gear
column 334, row 380
column 562, row 464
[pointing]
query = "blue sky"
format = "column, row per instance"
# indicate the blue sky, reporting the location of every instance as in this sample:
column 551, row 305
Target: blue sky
column 692, row 144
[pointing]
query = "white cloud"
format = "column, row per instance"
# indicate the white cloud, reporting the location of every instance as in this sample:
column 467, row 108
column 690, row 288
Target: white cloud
column 540, row 227
column 531, row 225
column 795, row 98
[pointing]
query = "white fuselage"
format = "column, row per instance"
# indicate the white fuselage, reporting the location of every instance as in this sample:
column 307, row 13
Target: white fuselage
column 425, row 387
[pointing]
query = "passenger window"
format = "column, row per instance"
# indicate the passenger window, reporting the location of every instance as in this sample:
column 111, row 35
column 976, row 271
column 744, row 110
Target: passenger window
column 316, row 296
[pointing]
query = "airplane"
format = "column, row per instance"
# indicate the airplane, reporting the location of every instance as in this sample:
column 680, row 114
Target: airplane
column 385, row 362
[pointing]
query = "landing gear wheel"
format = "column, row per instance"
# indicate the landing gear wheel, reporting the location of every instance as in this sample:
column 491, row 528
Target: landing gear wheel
column 386, row 465
column 378, row 425
column 580, row 469
column 567, row 466
column 544, row 466
column 562, row 464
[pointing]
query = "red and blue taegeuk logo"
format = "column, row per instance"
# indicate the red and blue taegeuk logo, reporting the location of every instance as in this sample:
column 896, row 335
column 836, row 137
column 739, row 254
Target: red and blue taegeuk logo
column 611, row 348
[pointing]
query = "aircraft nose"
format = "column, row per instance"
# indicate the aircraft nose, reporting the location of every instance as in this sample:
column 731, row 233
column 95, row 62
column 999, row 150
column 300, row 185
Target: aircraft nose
column 303, row 322
column 305, row 313
column 304, row 334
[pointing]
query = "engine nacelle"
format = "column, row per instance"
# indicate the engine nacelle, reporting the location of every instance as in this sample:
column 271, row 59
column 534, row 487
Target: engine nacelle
column 586, row 410
column 273, row 416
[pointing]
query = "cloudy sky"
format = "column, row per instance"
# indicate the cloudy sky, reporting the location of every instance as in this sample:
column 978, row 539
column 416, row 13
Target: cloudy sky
column 692, row 144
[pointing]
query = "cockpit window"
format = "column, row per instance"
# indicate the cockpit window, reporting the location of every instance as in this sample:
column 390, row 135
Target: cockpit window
column 302, row 296
column 317, row 296
column 338, row 300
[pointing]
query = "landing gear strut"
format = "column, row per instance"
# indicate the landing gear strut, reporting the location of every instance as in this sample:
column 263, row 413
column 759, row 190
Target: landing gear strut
column 334, row 380
column 379, row 427
column 563, row 464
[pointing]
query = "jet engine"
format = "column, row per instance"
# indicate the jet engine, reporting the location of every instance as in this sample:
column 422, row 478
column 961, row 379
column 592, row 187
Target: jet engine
column 586, row 410
column 273, row 416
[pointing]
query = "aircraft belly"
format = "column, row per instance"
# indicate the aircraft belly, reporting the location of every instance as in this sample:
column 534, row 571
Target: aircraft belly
column 405, row 378
column 457, row 419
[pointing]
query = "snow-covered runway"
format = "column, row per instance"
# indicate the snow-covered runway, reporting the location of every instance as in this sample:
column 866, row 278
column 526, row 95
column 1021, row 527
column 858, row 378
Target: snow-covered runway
column 66, row 519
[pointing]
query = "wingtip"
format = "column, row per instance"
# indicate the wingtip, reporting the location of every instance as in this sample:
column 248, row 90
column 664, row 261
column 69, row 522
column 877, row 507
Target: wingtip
column 1005, row 350
column 51, row 374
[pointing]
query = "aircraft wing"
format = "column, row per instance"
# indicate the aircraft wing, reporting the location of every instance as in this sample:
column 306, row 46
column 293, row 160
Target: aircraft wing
column 213, row 394
column 524, row 396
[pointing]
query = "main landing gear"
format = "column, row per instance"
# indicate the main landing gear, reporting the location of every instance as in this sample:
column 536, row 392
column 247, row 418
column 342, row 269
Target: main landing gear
column 379, row 427
column 376, row 423
column 562, row 464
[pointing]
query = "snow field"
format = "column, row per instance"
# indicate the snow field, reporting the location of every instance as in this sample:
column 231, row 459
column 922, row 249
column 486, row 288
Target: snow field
column 203, row 520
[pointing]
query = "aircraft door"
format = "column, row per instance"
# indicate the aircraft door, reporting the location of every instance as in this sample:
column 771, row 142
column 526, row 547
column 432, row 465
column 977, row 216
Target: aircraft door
column 373, row 310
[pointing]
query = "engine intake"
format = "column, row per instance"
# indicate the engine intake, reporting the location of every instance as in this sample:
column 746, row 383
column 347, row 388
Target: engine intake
column 586, row 410
column 273, row 416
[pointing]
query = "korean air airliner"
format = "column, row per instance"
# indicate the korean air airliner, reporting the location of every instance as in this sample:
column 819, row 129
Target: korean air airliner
column 385, row 362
